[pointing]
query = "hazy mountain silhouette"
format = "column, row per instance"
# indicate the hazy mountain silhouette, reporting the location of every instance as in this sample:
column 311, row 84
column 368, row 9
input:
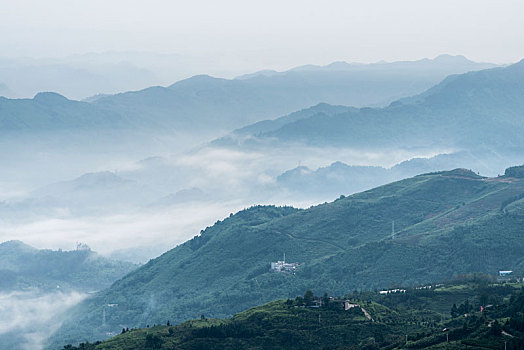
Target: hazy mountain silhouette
column 471, row 111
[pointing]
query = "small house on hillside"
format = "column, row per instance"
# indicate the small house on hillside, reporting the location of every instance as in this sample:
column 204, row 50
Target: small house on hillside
column 391, row 291
column 505, row 275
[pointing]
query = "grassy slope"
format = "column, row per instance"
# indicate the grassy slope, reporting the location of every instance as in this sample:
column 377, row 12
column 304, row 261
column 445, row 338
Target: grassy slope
column 446, row 223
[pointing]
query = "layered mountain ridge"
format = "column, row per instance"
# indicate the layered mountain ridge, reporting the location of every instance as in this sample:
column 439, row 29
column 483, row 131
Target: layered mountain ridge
column 466, row 111
column 212, row 103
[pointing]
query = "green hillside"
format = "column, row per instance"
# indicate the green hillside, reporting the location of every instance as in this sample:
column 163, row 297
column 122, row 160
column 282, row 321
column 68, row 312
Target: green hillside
column 414, row 318
column 444, row 224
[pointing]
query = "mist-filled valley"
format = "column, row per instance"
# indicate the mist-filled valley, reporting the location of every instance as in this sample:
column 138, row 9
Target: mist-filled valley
column 258, row 191
column 129, row 173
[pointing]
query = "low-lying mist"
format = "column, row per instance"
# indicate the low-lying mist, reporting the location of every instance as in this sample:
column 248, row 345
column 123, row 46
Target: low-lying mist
column 160, row 199
column 137, row 209
column 28, row 318
column 162, row 229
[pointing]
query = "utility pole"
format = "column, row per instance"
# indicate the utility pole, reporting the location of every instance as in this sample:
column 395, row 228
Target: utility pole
column 393, row 229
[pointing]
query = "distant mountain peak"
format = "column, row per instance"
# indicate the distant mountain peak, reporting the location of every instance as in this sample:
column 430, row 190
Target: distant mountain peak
column 452, row 58
column 338, row 164
column 203, row 77
column 16, row 245
column 338, row 65
column 196, row 81
column 265, row 73
column 49, row 97
column 103, row 177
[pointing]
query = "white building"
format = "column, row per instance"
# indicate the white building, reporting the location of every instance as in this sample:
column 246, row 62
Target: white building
column 283, row 266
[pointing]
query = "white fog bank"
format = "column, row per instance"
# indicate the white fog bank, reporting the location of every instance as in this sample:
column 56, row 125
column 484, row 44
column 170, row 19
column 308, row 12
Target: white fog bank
column 33, row 316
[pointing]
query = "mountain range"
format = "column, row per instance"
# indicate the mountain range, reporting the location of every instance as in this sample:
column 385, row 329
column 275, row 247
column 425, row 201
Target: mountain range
column 157, row 184
column 211, row 103
column 423, row 229
column 111, row 129
column 339, row 178
column 418, row 230
column 475, row 110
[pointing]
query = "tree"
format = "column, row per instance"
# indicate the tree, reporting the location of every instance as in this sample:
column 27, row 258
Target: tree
column 484, row 298
column 309, row 297
column 454, row 311
column 496, row 329
column 465, row 307
column 153, row 341
column 325, row 300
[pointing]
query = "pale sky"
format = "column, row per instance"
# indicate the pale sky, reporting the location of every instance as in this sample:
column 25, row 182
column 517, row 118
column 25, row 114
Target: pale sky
column 267, row 34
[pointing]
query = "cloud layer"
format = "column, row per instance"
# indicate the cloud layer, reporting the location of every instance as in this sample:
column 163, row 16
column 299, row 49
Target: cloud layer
column 30, row 317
